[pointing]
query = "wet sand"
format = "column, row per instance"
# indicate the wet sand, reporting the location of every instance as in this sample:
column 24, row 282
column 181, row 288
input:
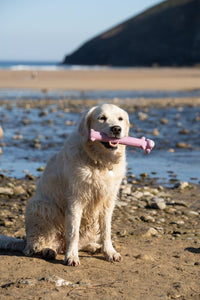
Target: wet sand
column 104, row 79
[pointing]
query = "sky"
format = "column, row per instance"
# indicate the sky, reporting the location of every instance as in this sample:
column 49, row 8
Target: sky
column 47, row 30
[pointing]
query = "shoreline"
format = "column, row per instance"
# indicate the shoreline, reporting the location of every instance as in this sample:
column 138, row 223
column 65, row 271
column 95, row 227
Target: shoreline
column 167, row 79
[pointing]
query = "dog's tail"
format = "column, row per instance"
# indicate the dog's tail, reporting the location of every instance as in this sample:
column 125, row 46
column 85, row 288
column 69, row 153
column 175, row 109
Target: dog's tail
column 10, row 243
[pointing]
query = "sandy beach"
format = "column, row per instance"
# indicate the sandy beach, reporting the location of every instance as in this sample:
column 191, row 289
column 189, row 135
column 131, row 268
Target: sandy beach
column 155, row 227
column 104, row 79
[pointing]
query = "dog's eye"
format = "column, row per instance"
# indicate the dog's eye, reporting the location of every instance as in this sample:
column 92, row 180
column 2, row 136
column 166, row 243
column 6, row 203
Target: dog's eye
column 120, row 119
column 102, row 118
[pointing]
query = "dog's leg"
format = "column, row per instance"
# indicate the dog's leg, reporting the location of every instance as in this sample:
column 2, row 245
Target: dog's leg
column 73, row 220
column 105, row 227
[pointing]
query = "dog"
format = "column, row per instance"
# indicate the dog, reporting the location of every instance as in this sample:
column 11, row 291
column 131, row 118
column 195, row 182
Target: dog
column 75, row 196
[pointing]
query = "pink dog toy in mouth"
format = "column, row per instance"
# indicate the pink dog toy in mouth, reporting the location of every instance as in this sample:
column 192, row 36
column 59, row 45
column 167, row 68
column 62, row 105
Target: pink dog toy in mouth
column 143, row 143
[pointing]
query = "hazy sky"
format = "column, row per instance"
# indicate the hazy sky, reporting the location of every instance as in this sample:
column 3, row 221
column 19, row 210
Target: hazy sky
column 50, row 29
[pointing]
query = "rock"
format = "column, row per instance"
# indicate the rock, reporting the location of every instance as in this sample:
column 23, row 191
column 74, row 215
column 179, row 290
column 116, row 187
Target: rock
column 142, row 116
column 41, row 169
column 156, row 132
column 181, row 185
column 164, row 121
column 147, row 218
column 26, row 121
column 70, row 123
column 1, row 132
column 144, row 175
column 58, row 281
column 43, row 113
column 145, row 257
column 183, row 145
column 126, row 190
column 183, row 131
column 193, row 213
column 121, row 203
column 6, row 191
column 137, row 195
column 19, row 190
column 150, row 232
column 17, row 137
column 157, row 203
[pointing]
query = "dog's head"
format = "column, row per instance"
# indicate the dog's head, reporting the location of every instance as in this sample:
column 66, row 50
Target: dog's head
column 109, row 119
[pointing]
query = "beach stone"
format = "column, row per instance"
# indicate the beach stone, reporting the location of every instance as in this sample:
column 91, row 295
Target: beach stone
column 150, row 232
column 143, row 175
column 181, row 185
column 147, row 218
column 137, row 195
column 126, row 190
column 43, row 113
column 158, row 203
column 19, row 190
column 164, row 121
column 41, row 169
column 58, row 281
column 1, row 151
column 183, row 131
column 156, row 132
column 26, row 121
column 6, row 191
column 142, row 116
column 144, row 257
column 1, row 132
column 193, row 213
column 17, row 137
column 183, row 145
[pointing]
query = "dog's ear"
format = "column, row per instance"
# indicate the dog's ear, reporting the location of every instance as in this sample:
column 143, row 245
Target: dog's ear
column 85, row 123
column 127, row 124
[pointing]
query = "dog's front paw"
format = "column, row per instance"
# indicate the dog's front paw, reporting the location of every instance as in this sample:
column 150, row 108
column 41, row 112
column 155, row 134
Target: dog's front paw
column 112, row 256
column 72, row 260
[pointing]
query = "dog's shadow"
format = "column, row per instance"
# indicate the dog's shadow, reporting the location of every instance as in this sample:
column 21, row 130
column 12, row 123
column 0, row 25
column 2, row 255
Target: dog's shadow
column 56, row 261
column 193, row 250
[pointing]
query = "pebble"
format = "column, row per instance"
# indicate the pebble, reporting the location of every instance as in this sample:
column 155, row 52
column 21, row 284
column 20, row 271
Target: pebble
column 19, row 190
column 164, row 121
column 142, row 116
column 147, row 218
column 126, row 190
column 182, row 185
column 58, row 281
column 137, row 194
column 41, row 169
column 150, row 232
column 183, row 145
column 17, row 137
column 145, row 257
column 156, row 132
column 157, row 203
column 6, row 191
column 26, row 121
column 183, row 131
column 1, row 132
column 193, row 213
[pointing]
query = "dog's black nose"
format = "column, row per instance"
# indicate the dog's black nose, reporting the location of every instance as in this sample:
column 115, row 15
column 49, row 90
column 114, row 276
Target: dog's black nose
column 116, row 130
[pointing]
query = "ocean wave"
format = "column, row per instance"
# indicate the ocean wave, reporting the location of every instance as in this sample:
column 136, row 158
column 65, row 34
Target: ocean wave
column 45, row 66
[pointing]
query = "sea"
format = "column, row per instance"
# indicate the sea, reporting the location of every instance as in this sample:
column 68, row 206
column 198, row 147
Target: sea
column 31, row 136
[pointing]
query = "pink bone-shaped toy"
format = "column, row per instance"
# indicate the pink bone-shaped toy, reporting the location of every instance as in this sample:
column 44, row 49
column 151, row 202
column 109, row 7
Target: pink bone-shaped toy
column 143, row 143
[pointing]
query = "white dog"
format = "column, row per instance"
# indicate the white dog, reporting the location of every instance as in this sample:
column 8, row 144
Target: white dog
column 75, row 196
